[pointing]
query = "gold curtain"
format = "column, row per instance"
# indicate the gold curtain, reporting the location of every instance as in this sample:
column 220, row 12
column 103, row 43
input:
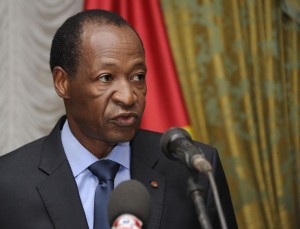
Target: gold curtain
column 239, row 64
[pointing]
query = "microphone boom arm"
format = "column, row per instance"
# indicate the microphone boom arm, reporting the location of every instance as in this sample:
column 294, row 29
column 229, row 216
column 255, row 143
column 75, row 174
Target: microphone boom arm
column 196, row 192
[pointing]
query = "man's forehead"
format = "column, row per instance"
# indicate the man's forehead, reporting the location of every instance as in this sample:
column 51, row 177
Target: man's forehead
column 90, row 27
column 93, row 27
column 106, row 35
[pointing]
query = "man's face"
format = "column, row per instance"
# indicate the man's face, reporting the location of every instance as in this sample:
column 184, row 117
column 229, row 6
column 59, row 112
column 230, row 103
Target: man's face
column 107, row 95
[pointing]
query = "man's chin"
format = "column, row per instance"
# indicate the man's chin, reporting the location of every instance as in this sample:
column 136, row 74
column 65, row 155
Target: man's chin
column 123, row 136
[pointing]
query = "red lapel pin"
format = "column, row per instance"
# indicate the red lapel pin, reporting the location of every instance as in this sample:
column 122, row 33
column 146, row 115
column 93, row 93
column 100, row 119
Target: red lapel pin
column 154, row 184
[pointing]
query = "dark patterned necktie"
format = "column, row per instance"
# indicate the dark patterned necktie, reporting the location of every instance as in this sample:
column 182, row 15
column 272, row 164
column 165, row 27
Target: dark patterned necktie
column 106, row 171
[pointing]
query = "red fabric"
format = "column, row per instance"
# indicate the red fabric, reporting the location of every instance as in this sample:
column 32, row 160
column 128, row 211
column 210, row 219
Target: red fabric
column 165, row 106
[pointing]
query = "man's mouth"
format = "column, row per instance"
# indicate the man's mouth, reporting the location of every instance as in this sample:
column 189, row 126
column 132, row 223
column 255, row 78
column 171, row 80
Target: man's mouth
column 125, row 119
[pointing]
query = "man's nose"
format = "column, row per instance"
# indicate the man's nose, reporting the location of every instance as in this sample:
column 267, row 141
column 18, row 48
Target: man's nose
column 124, row 94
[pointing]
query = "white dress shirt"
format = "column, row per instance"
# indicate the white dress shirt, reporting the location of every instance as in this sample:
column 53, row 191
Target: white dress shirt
column 80, row 159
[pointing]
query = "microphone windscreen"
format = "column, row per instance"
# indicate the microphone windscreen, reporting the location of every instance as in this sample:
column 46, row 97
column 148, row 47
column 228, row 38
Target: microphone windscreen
column 170, row 136
column 129, row 197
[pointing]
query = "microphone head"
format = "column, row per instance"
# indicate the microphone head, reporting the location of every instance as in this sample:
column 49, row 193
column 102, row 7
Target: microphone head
column 171, row 135
column 129, row 197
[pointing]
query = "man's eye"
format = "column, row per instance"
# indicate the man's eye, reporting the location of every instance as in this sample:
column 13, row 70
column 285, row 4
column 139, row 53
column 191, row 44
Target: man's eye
column 105, row 78
column 138, row 77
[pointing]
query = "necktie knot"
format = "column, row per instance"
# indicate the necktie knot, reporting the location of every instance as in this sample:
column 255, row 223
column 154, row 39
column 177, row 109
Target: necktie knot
column 104, row 170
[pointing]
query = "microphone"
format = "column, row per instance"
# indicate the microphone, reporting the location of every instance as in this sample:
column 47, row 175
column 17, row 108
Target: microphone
column 129, row 206
column 176, row 143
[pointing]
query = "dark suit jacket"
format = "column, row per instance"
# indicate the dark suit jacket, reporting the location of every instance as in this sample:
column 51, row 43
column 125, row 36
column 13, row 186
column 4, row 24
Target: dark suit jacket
column 38, row 190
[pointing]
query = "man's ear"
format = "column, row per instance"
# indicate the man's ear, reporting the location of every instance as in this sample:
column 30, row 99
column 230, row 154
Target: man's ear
column 61, row 82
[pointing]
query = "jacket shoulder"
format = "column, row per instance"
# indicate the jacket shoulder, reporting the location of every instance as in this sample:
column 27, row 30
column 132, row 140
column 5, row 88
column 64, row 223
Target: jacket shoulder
column 25, row 153
column 153, row 138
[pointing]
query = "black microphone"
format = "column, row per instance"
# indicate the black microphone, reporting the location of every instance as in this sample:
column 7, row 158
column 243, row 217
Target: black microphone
column 176, row 143
column 129, row 206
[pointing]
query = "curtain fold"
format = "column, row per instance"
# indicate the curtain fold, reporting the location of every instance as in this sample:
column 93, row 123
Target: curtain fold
column 29, row 104
column 238, row 63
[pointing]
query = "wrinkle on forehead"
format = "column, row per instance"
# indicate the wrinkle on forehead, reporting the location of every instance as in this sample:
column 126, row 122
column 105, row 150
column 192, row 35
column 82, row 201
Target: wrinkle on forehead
column 111, row 45
column 105, row 36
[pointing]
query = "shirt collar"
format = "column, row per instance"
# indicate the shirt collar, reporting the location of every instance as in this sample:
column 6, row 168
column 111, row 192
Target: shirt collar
column 80, row 158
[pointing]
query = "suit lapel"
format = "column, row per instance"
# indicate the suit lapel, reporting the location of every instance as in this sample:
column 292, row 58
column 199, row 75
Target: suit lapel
column 144, row 157
column 59, row 191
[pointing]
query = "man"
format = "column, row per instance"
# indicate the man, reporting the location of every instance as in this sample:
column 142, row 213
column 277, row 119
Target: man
column 98, row 66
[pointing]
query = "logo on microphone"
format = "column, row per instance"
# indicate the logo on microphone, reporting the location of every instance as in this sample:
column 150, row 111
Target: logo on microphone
column 127, row 221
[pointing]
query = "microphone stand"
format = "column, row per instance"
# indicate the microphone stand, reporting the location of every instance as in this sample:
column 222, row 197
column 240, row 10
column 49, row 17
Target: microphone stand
column 196, row 192
column 203, row 166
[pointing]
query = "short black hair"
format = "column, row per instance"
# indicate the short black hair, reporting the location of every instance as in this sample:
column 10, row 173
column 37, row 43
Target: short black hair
column 65, row 48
